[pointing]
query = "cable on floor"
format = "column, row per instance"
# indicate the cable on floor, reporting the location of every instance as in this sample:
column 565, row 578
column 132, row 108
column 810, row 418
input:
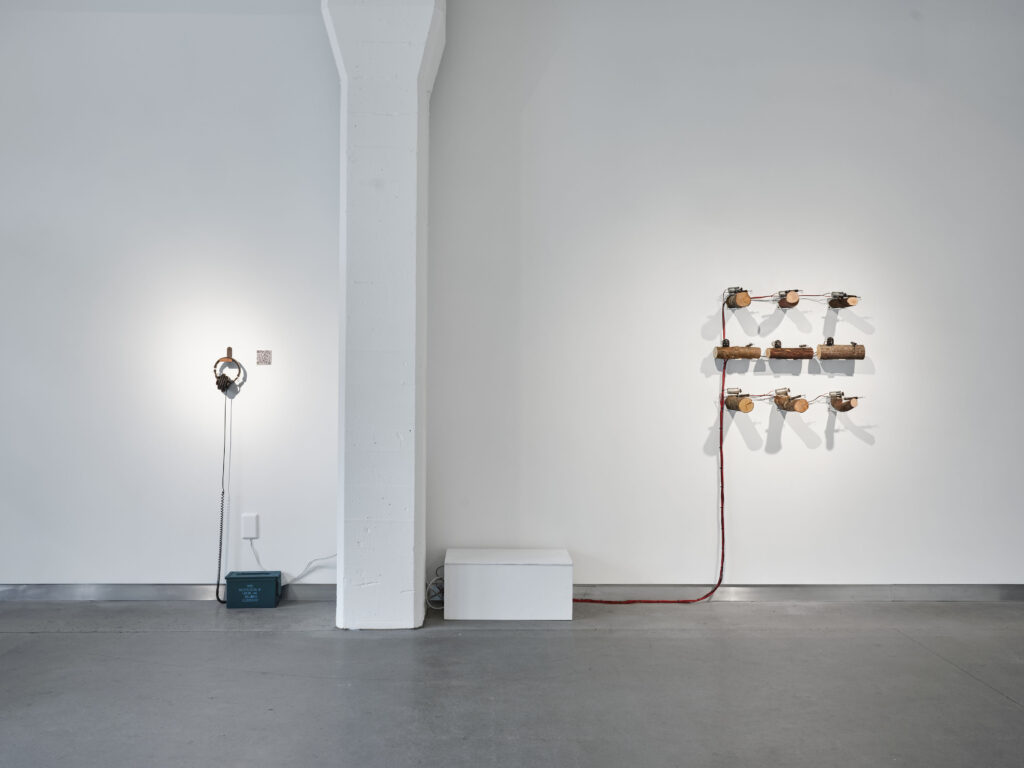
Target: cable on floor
column 721, row 515
column 435, row 590
column 721, row 476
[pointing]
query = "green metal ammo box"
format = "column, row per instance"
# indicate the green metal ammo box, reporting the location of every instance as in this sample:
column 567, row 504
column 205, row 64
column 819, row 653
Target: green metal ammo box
column 253, row 589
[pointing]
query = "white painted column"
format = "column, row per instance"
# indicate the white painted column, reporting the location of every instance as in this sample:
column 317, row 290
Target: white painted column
column 387, row 52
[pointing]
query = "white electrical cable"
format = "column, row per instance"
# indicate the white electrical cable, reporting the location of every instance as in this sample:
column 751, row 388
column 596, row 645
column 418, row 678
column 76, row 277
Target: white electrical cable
column 302, row 573
column 306, row 568
column 252, row 546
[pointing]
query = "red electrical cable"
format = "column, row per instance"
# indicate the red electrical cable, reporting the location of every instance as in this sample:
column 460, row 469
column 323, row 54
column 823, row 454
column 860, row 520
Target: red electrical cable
column 721, row 486
column 721, row 510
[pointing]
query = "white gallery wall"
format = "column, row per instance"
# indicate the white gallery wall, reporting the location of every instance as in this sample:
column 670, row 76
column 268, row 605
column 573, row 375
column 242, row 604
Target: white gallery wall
column 601, row 171
column 168, row 187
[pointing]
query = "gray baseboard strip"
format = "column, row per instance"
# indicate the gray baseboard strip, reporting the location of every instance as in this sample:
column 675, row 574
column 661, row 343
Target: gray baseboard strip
column 809, row 593
column 317, row 593
column 758, row 593
column 115, row 592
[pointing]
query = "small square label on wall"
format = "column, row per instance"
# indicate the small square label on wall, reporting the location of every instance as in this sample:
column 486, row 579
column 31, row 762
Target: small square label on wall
column 263, row 356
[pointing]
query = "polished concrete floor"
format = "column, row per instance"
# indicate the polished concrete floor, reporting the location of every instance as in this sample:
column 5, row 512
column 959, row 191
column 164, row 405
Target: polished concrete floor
column 722, row 684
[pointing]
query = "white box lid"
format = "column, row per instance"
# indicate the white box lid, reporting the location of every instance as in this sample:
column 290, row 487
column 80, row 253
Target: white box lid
column 507, row 557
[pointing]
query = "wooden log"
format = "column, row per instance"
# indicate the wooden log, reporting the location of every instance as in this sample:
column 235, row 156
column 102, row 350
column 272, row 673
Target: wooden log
column 737, row 300
column 845, row 301
column 789, row 353
column 842, row 405
column 787, row 403
column 739, row 403
column 841, row 351
column 737, row 353
column 789, row 299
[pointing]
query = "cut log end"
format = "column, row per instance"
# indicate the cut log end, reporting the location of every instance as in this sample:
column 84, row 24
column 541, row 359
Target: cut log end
column 789, row 299
column 741, row 404
column 846, row 301
column 797, row 404
column 738, row 300
column 844, row 405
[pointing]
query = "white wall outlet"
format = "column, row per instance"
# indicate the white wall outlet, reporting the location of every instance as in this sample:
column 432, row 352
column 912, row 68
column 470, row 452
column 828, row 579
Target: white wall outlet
column 250, row 526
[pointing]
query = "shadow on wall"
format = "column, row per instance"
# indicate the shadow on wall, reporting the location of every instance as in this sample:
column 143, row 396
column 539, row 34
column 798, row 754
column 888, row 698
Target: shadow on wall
column 862, row 433
column 778, row 421
column 779, row 367
column 711, row 367
column 832, row 317
column 744, row 425
column 761, row 325
column 774, row 320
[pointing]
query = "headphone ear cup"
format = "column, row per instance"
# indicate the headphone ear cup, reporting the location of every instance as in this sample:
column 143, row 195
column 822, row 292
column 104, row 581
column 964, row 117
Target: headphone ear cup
column 223, row 382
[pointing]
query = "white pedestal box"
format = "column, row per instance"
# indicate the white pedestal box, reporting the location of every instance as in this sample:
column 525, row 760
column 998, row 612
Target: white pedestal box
column 508, row 584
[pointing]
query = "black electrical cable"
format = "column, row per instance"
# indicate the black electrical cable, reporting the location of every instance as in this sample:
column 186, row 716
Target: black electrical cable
column 223, row 472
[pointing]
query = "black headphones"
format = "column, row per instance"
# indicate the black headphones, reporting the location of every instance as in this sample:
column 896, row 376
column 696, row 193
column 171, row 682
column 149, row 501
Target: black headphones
column 223, row 380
